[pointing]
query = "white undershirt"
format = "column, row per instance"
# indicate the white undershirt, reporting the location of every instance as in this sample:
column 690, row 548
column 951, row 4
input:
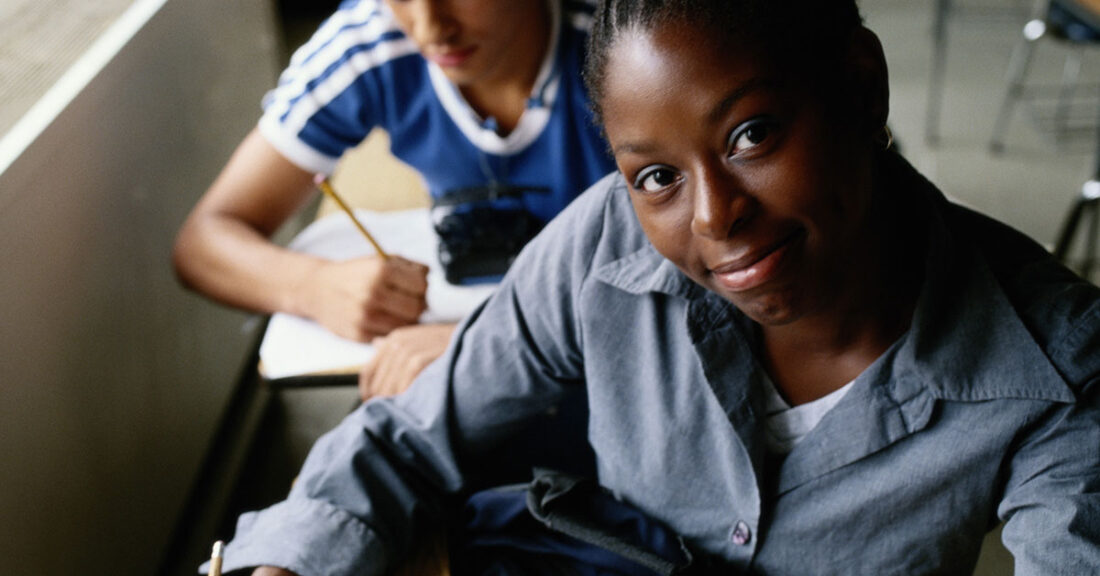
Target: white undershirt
column 786, row 426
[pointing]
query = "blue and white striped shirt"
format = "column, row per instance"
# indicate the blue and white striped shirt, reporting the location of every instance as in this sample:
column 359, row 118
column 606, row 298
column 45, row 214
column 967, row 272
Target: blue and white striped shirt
column 360, row 71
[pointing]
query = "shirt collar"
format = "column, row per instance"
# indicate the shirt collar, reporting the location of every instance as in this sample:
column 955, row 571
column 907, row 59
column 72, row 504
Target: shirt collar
column 967, row 342
column 647, row 271
column 643, row 270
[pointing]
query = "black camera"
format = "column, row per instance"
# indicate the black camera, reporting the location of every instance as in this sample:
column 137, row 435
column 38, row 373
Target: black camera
column 481, row 230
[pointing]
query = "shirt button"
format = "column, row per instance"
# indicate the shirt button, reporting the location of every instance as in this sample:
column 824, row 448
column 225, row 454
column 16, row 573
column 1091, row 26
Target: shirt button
column 742, row 534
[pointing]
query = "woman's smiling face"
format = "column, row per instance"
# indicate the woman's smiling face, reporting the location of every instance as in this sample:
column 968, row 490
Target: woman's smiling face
column 735, row 171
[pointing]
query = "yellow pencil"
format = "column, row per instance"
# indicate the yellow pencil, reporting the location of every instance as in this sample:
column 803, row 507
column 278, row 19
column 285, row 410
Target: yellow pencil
column 216, row 559
column 326, row 187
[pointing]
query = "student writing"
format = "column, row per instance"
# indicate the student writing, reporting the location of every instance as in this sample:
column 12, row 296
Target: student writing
column 470, row 92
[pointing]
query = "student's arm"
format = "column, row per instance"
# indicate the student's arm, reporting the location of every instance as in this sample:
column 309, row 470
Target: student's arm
column 223, row 250
column 1051, row 505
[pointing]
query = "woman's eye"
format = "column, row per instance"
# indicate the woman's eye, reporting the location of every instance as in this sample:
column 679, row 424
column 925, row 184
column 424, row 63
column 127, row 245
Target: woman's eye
column 749, row 137
column 655, row 179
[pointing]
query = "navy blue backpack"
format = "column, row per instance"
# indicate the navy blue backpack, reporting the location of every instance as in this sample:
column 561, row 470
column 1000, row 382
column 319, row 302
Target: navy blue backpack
column 561, row 524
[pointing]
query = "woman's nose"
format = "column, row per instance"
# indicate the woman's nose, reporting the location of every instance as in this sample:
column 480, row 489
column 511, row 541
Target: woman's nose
column 719, row 206
column 433, row 23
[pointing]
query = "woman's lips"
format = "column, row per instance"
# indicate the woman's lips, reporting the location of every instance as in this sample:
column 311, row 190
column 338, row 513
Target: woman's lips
column 754, row 269
column 452, row 58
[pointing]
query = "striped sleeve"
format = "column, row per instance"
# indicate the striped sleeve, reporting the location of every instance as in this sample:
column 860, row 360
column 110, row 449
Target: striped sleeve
column 326, row 101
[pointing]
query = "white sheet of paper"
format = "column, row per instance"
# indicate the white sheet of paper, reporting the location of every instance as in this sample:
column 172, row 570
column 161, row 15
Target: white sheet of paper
column 294, row 346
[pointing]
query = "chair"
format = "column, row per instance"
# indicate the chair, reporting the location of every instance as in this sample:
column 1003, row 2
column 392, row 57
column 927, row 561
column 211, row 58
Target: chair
column 1075, row 23
column 1086, row 205
column 945, row 12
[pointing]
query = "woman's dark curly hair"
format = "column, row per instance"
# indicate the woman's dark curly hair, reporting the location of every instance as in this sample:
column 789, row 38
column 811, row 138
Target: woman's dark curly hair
column 811, row 35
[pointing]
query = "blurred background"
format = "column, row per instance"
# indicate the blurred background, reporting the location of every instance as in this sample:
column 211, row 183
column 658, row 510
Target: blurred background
column 133, row 427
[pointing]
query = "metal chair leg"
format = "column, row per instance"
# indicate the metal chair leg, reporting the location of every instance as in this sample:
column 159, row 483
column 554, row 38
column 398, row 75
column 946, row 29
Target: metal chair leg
column 935, row 80
column 1087, row 204
column 1071, row 72
column 1017, row 70
column 1088, row 200
column 1069, row 227
column 1090, row 240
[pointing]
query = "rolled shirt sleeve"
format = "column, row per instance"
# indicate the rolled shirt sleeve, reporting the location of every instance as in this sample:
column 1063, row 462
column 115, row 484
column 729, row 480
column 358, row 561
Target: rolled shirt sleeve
column 304, row 526
column 1052, row 500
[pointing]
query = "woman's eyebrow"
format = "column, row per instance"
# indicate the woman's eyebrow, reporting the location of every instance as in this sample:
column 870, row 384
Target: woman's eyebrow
column 723, row 106
column 632, row 148
column 716, row 113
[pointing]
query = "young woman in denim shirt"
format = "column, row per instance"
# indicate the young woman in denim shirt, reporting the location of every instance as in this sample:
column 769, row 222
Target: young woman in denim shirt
column 795, row 352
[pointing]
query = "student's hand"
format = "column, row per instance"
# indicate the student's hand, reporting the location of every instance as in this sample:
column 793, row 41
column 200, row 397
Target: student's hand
column 272, row 571
column 400, row 356
column 364, row 298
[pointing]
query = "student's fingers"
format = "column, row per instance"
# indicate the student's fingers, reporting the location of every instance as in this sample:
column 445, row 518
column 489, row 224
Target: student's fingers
column 395, row 374
column 378, row 323
column 406, row 276
column 401, row 356
column 377, row 378
column 272, row 571
column 384, row 301
column 382, row 383
column 337, row 295
column 365, row 297
column 366, row 377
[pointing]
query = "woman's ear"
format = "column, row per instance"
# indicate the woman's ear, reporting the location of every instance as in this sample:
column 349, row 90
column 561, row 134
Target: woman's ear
column 868, row 80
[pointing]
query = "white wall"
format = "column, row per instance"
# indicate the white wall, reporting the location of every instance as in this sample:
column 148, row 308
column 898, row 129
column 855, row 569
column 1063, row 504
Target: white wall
column 112, row 378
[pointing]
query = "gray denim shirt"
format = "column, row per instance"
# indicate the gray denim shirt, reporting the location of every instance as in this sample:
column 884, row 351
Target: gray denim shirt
column 987, row 409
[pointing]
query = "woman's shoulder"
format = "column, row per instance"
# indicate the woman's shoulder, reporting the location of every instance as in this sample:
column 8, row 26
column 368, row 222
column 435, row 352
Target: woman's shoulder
column 1060, row 309
column 978, row 261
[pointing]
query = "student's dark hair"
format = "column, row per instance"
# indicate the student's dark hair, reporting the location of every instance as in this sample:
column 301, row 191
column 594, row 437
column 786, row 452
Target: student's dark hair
column 811, row 35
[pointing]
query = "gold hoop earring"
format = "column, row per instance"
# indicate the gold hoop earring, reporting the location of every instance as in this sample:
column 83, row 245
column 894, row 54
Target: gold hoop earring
column 885, row 138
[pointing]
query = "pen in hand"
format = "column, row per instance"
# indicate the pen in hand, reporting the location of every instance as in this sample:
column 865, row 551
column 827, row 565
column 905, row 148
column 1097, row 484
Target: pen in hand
column 392, row 285
column 216, row 559
column 326, row 187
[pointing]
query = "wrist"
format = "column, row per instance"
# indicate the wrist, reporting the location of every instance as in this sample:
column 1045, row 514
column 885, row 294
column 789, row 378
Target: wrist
column 299, row 296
